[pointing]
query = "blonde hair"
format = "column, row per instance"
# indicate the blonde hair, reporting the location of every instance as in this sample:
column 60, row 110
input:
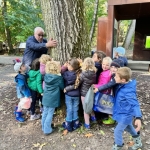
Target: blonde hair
column 108, row 59
column 124, row 73
column 52, row 67
column 44, row 59
column 88, row 64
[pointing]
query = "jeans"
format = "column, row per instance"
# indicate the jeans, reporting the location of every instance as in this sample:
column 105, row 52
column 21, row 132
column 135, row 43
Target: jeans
column 46, row 121
column 120, row 128
column 72, row 104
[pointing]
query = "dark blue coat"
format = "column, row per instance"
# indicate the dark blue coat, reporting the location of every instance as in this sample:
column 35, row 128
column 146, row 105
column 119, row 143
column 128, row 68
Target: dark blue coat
column 53, row 85
column 126, row 105
column 70, row 78
column 33, row 50
column 22, row 87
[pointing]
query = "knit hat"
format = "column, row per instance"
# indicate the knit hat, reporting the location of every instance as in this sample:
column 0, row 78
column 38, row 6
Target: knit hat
column 117, row 63
column 120, row 50
column 17, row 66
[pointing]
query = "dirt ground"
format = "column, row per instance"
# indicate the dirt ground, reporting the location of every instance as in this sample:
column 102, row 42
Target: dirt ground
column 28, row 135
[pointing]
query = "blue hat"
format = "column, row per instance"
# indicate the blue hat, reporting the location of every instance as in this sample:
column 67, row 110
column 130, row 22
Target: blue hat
column 120, row 50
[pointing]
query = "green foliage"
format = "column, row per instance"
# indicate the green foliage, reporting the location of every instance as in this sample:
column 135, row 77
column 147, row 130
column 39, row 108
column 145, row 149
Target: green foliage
column 21, row 17
column 89, row 11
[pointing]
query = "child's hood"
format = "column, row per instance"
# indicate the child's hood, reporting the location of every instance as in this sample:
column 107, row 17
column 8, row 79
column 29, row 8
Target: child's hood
column 33, row 73
column 52, row 79
column 89, row 74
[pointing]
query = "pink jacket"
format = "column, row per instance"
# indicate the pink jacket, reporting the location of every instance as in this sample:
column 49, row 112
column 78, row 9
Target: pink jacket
column 104, row 78
column 42, row 71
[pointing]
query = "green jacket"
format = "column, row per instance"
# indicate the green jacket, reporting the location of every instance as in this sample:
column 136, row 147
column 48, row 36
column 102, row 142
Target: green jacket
column 53, row 85
column 35, row 81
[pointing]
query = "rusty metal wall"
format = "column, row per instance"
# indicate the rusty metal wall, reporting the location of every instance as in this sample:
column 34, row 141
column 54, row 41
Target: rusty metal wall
column 101, row 34
column 142, row 29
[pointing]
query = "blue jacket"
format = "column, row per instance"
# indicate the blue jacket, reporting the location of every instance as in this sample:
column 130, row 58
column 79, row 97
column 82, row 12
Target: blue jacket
column 99, row 70
column 126, row 105
column 22, row 87
column 51, row 94
column 70, row 78
column 124, row 59
column 33, row 50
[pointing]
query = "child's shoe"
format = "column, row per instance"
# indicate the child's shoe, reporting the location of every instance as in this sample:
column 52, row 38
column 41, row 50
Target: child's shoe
column 76, row 124
column 116, row 147
column 137, row 143
column 67, row 125
column 109, row 121
column 87, row 126
column 19, row 116
column 93, row 118
column 35, row 117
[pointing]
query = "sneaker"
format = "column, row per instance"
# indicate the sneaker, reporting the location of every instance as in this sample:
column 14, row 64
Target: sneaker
column 109, row 121
column 35, row 117
column 87, row 126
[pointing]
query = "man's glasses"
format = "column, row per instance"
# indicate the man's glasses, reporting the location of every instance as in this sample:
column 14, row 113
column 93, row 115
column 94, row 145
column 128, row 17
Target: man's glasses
column 40, row 35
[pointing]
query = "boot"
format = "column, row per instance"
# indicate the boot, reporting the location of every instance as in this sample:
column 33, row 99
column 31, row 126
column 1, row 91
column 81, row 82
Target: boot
column 19, row 117
column 76, row 124
column 116, row 147
column 67, row 125
column 137, row 143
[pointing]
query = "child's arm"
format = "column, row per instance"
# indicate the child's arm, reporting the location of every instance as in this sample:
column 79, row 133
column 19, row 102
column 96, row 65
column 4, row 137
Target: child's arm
column 64, row 68
column 110, row 84
column 39, row 83
column 42, row 69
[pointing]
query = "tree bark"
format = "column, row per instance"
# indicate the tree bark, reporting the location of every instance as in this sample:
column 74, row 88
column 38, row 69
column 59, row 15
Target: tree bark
column 94, row 20
column 64, row 21
column 129, row 34
column 7, row 30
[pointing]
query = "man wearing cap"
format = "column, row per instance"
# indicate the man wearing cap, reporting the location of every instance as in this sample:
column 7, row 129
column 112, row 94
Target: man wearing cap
column 36, row 46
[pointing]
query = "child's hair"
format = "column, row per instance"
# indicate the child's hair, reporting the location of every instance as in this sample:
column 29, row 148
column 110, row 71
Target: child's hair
column 88, row 64
column 108, row 59
column 52, row 67
column 124, row 73
column 74, row 63
column 35, row 64
column 100, row 55
column 44, row 58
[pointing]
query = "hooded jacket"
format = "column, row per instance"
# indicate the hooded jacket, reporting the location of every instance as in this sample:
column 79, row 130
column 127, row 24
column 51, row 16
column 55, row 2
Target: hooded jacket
column 33, row 50
column 21, row 86
column 53, row 85
column 126, row 105
column 70, row 78
column 35, row 81
column 87, row 78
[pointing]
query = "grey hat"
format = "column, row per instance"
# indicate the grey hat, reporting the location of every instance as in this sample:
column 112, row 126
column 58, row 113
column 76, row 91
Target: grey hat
column 17, row 66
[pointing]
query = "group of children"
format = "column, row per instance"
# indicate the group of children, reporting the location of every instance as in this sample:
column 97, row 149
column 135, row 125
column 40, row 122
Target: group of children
column 47, row 78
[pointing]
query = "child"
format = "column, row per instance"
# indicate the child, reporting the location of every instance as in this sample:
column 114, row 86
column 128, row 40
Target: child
column 117, row 63
column 87, row 78
column 126, row 108
column 35, row 85
column 120, row 54
column 97, row 58
column 72, row 97
column 43, row 60
column 51, row 96
column 22, row 88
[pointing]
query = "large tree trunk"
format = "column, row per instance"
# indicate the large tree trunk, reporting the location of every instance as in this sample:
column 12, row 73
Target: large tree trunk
column 64, row 21
column 94, row 19
column 7, row 30
column 129, row 34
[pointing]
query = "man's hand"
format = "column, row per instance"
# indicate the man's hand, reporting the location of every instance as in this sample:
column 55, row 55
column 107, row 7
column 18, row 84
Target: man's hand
column 137, row 124
column 51, row 43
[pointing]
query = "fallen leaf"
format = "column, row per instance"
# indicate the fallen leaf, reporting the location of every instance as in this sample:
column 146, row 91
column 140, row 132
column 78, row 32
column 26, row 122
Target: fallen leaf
column 65, row 132
column 88, row 135
column 130, row 143
column 102, row 132
column 74, row 145
column 41, row 146
column 36, row 145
